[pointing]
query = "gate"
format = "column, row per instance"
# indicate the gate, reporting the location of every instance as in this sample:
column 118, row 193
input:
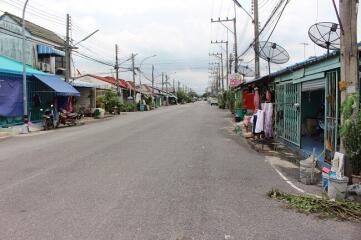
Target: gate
column 288, row 115
column 332, row 101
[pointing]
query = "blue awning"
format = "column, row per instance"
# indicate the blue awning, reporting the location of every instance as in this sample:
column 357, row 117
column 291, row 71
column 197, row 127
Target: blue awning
column 46, row 50
column 59, row 86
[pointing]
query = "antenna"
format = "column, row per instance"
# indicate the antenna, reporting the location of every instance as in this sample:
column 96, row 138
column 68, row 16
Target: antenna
column 326, row 35
column 273, row 53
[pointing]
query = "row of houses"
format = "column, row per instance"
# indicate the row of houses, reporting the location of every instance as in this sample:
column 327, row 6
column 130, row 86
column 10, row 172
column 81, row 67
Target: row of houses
column 45, row 71
column 306, row 105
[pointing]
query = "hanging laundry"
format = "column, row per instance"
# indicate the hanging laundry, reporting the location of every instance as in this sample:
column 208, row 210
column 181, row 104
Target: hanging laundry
column 268, row 119
column 254, row 123
column 256, row 99
column 260, row 122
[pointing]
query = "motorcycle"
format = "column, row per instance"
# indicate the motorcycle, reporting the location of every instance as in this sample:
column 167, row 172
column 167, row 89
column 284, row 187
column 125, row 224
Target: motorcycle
column 50, row 118
column 68, row 118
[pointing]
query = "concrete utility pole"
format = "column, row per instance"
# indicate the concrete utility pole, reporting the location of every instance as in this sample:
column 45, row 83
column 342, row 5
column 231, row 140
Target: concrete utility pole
column 133, row 70
column 349, row 51
column 153, row 79
column 234, row 20
column 256, row 42
column 173, row 85
column 178, row 86
column 227, row 61
column 166, row 85
column 162, row 81
column 67, row 50
column 116, row 67
column 220, row 72
column 304, row 49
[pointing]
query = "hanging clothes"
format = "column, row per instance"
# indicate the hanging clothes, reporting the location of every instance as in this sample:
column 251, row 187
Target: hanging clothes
column 254, row 123
column 260, row 122
column 256, row 99
column 69, row 105
column 268, row 119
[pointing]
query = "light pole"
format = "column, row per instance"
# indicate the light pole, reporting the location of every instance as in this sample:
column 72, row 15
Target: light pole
column 140, row 74
column 25, row 90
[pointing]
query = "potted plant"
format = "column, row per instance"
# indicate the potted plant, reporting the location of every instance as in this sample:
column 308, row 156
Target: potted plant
column 351, row 135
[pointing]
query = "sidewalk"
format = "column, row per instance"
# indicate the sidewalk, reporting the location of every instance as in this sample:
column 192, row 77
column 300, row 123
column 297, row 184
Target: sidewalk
column 284, row 161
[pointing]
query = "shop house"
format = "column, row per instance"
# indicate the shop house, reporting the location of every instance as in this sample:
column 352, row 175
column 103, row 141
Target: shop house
column 307, row 106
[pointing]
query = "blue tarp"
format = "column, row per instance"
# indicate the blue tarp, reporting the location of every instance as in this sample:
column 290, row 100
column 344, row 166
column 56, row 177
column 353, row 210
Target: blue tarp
column 11, row 101
column 60, row 87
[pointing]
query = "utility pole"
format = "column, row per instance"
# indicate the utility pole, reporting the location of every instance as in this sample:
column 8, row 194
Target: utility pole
column 256, row 42
column 153, row 79
column 116, row 67
column 162, row 81
column 178, row 86
column 67, row 50
column 349, row 52
column 234, row 20
column 166, row 85
column 154, row 103
column 227, row 62
column 133, row 69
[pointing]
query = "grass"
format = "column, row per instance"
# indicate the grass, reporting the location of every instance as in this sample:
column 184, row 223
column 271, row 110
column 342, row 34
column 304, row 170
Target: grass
column 343, row 210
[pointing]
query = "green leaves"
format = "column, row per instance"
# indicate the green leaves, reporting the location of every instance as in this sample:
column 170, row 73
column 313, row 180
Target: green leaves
column 323, row 207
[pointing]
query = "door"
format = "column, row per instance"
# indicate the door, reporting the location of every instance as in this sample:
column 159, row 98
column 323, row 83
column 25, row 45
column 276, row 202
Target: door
column 288, row 114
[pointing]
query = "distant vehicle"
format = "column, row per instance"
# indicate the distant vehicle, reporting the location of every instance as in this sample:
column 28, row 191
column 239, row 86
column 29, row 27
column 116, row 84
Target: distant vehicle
column 213, row 101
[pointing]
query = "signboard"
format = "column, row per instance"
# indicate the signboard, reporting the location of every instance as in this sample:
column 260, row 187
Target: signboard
column 236, row 80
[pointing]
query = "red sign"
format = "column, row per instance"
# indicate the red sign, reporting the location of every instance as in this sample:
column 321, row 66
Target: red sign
column 236, row 80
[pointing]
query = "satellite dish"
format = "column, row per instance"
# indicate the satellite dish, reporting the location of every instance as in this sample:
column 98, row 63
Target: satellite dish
column 245, row 70
column 326, row 35
column 273, row 53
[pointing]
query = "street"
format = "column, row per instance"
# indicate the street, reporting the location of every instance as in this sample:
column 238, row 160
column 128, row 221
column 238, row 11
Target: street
column 173, row 173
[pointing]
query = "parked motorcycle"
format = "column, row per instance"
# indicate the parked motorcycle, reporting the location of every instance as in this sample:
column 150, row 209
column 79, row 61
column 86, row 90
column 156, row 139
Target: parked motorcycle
column 50, row 118
column 68, row 118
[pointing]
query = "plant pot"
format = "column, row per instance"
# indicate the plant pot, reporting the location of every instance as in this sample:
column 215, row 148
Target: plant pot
column 356, row 179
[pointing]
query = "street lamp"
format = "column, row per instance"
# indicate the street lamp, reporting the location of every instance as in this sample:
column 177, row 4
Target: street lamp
column 25, row 97
column 140, row 74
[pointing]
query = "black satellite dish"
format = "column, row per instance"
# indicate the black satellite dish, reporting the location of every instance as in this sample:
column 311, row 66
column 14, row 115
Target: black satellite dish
column 273, row 53
column 245, row 70
column 326, row 35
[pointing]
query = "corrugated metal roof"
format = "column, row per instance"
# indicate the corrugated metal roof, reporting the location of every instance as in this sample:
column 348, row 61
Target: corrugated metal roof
column 38, row 31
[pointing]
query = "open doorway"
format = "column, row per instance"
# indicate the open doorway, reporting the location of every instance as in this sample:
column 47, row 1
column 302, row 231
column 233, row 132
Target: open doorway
column 312, row 121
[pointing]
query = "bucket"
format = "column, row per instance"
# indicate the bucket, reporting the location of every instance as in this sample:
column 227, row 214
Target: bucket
column 307, row 172
column 337, row 187
column 325, row 179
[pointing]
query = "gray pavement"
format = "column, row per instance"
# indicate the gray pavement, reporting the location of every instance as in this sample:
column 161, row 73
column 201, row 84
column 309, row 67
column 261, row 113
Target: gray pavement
column 173, row 173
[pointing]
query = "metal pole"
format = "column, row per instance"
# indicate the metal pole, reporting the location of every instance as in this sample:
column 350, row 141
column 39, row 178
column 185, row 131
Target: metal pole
column 25, row 90
column 222, row 66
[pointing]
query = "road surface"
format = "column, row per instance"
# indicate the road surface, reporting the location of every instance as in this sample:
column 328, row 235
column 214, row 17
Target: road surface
column 173, row 173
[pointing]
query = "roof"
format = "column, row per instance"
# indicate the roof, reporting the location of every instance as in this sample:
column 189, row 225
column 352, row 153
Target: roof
column 8, row 65
column 130, row 85
column 294, row 67
column 37, row 31
column 110, row 80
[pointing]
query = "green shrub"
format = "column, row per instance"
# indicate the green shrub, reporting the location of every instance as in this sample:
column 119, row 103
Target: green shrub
column 351, row 132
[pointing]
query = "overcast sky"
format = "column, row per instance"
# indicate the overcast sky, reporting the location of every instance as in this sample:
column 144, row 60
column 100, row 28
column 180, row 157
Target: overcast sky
column 178, row 31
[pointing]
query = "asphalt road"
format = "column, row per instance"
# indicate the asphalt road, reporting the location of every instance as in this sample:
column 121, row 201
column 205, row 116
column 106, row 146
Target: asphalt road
column 173, row 173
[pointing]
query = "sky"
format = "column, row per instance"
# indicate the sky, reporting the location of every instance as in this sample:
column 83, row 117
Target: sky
column 177, row 31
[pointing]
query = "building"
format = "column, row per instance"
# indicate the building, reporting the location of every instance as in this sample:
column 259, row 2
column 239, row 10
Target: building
column 44, row 48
